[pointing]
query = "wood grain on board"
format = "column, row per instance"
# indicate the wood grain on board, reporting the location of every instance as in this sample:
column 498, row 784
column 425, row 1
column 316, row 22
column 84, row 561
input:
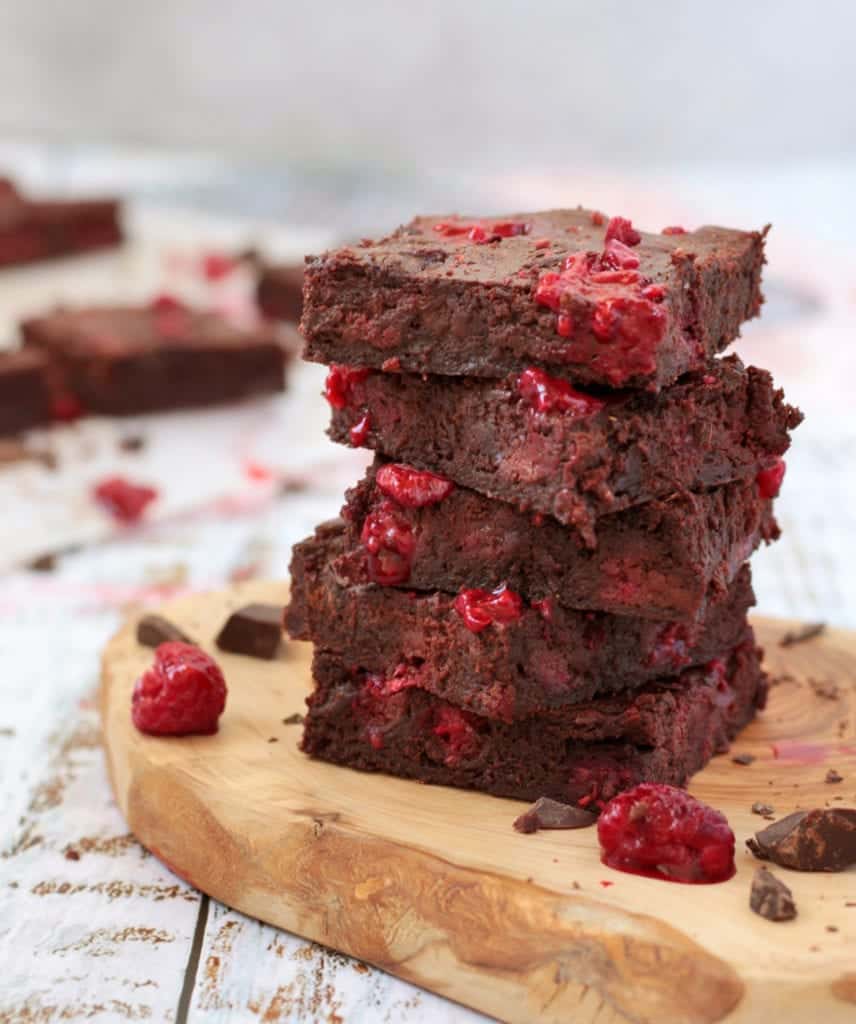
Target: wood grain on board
column 433, row 885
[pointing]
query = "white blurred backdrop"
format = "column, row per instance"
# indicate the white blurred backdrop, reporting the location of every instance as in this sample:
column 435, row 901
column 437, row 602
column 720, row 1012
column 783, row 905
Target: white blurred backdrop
column 478, row 83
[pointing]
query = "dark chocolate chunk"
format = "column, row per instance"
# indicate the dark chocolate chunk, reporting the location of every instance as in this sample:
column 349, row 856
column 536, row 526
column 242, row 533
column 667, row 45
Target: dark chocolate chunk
column 547, row 813
column 765, row 810
column 833, row 776
column 44, row 563
column 799, row 636
column 771, row 898
column 154, row 630
column 254, row 630
column 744, row 759
column 295, row 719
column 817, row 840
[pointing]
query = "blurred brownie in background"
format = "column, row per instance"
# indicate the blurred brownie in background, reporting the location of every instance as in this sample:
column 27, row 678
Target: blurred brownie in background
column 24, row 396
column 122, row 360
column 280, row 291
column 36, row 229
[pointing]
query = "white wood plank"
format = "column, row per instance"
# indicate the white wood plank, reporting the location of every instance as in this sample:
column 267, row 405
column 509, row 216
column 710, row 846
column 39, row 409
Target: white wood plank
column 92, row 927
column 249, row 970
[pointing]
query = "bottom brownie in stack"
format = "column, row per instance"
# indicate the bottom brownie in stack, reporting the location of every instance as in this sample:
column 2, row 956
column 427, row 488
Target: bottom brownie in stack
column 571, row 704
column 584, row 754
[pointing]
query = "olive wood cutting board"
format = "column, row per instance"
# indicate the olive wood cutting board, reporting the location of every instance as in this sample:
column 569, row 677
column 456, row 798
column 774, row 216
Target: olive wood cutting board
column 434, row 885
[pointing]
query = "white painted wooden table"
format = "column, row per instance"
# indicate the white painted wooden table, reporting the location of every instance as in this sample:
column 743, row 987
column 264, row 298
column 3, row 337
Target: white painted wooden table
column 94, row 928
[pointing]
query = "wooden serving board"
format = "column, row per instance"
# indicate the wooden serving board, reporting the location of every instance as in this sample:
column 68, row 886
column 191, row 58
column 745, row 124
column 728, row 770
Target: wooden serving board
column 434, row 885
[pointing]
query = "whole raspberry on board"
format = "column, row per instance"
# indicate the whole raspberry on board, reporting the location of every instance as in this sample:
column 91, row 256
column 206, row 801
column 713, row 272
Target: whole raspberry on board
column 663, row 832
column 184, row 692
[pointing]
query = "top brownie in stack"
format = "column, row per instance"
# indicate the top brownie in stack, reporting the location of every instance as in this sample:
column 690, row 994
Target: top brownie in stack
column 580, row 297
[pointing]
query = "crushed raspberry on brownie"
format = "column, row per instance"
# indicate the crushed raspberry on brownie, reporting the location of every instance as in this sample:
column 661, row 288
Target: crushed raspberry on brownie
column 338, row 388
column 622, row 229
column 552, row 394
column 389, row 541
column 183, row 692
column 663, row 832
column 125, row 501
column 672, row 647
column 482, row 608
column 411, row 487
column 770, row 479
column 481, row 233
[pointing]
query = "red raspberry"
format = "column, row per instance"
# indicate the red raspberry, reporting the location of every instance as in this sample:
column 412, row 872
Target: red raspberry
column 622, row 229
column 481, row 608
column 166, row 303
column 125, row 501
column 770, row 479
column 183, row 692
column 217, row 265
column 552, row 394
column 413, row 488
column 663, row 832
column 674, row 229
column 340, row 384
column 390, row 544
column 66, row 409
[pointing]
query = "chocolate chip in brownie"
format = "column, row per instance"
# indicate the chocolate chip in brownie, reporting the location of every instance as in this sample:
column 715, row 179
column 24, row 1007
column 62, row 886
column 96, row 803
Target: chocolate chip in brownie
column 769, row 897
column 254, row 630
column 154, row 630
column 816, row 840
column 547, row 813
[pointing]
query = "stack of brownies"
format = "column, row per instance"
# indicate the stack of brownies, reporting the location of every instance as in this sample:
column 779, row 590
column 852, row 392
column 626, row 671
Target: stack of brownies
column 540, row 587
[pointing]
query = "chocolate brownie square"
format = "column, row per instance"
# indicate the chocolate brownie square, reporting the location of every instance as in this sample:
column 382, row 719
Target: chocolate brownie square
column 492, row 652
column 24, row 396
column 279, row 292
column 32, row 229
column 534, row 442
column 579, row 755
column 658, row 560
column 584, row 298
column 123, row 360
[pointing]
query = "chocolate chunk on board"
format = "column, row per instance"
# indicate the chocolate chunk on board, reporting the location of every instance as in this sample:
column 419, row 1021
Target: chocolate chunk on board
column 804, row 633
column 154, row 630
column 769, row 897
column 254, row 630
column 547, row 813
column 817, row 840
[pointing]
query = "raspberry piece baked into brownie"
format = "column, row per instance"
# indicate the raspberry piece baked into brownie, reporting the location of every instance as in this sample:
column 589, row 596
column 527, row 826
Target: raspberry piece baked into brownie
column 569, row 291
column 122, row 360
column 540, row 587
